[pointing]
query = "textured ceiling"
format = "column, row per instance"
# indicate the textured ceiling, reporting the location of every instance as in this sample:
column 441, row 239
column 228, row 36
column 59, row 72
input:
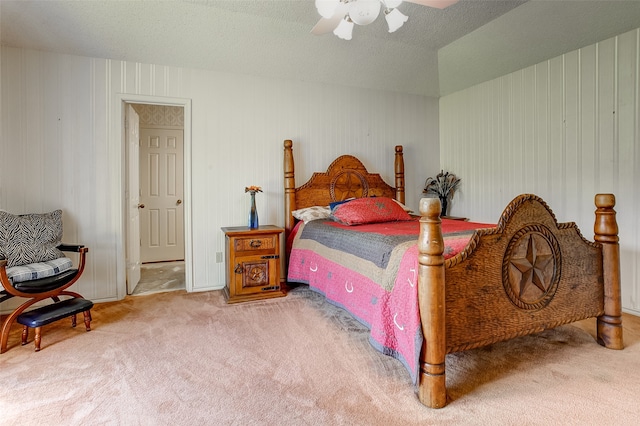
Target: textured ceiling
column 272, row 38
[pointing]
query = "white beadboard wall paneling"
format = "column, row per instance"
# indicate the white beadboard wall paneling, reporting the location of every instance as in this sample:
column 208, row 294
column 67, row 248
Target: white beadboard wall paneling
column 49, row 150
column 564, row 129
column 62, row 142
column 104, row 278
column 627, row 125
column 634, row 296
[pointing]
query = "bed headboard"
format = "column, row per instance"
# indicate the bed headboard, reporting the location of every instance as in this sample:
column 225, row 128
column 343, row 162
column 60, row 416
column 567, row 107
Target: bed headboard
column 346, row 177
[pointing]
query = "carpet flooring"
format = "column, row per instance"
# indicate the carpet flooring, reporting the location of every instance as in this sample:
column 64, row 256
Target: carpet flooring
column 178, row 358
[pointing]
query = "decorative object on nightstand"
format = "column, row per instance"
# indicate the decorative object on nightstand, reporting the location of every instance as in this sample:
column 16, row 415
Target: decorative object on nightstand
column 253, row 213
column 444, row 185
column 252, row 266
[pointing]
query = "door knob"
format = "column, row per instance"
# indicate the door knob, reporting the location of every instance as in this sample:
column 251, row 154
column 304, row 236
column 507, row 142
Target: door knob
column 141, row 206
column 179, row 202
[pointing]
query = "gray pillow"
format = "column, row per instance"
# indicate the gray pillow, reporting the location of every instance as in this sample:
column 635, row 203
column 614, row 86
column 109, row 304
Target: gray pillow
column 30, row 238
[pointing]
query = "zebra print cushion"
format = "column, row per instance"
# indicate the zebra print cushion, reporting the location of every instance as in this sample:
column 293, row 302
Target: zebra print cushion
column 30, row 238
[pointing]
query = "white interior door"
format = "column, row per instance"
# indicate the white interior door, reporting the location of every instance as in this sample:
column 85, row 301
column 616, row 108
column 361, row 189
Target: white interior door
column 132, row 139
column 161, row 193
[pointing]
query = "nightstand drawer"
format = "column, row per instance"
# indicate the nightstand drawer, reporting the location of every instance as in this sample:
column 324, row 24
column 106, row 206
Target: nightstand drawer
column 255, row 243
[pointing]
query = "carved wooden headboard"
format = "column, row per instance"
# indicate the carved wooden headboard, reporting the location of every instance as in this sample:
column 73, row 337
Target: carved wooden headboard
column 345, row 178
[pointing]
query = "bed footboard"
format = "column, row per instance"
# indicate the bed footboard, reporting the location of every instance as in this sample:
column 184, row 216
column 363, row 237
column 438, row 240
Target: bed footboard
column 528, row 274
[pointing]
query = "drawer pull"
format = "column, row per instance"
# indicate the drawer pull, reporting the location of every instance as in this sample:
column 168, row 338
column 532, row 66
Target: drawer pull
column 273, row 256
column 255, row 243
column 239, row 269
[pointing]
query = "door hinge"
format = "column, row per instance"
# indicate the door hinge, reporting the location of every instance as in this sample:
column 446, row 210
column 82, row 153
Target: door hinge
column 273, row 256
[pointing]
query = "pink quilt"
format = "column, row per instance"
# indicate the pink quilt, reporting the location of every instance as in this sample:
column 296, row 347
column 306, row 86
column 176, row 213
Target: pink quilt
column 371, row 271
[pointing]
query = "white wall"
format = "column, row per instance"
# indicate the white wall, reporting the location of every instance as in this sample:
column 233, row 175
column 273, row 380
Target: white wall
column 61, row 147
column 564, row 129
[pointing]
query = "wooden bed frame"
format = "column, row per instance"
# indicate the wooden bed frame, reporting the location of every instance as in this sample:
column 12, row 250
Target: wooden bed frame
column 527, row 274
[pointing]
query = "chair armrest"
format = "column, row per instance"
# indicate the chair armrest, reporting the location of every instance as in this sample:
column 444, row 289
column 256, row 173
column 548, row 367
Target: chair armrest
column 3, row 262
column 71, row 247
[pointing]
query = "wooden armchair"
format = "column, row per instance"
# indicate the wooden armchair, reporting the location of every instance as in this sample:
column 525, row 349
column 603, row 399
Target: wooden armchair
column 32, row 266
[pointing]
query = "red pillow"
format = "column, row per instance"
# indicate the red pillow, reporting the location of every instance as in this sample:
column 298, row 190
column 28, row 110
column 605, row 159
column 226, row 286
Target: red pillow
column 369, row 210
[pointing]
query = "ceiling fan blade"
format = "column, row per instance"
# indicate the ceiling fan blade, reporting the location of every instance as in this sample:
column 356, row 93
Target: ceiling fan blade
column 438, row 4
column 326, row 25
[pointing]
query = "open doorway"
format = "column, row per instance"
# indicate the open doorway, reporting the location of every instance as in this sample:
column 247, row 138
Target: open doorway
column 161, row 193
column 157, row 177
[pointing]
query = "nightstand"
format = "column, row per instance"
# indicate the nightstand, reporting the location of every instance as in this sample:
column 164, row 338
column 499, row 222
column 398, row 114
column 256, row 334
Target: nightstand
column 252, row 265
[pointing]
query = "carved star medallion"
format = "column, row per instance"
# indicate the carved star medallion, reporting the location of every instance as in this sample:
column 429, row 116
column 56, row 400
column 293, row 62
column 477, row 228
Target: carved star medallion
column 531, row 267
column 348, row 184
column 534, row 267
column 255, row 274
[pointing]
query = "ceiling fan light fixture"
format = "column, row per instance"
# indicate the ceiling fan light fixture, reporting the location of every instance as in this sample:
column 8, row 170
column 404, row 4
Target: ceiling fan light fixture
column 395, row 19
column 364, row 12
column 392, row 4
column 344, row 30
column 326, row 8
column 339, row 16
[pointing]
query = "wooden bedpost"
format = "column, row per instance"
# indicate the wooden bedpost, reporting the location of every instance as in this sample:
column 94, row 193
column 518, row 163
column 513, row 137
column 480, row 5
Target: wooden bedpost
column 289, row 189
column 609, row 330
column 432, row 390
column 399, row 169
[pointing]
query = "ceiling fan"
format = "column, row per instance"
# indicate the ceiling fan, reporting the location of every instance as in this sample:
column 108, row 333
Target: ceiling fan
column 340, row 16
